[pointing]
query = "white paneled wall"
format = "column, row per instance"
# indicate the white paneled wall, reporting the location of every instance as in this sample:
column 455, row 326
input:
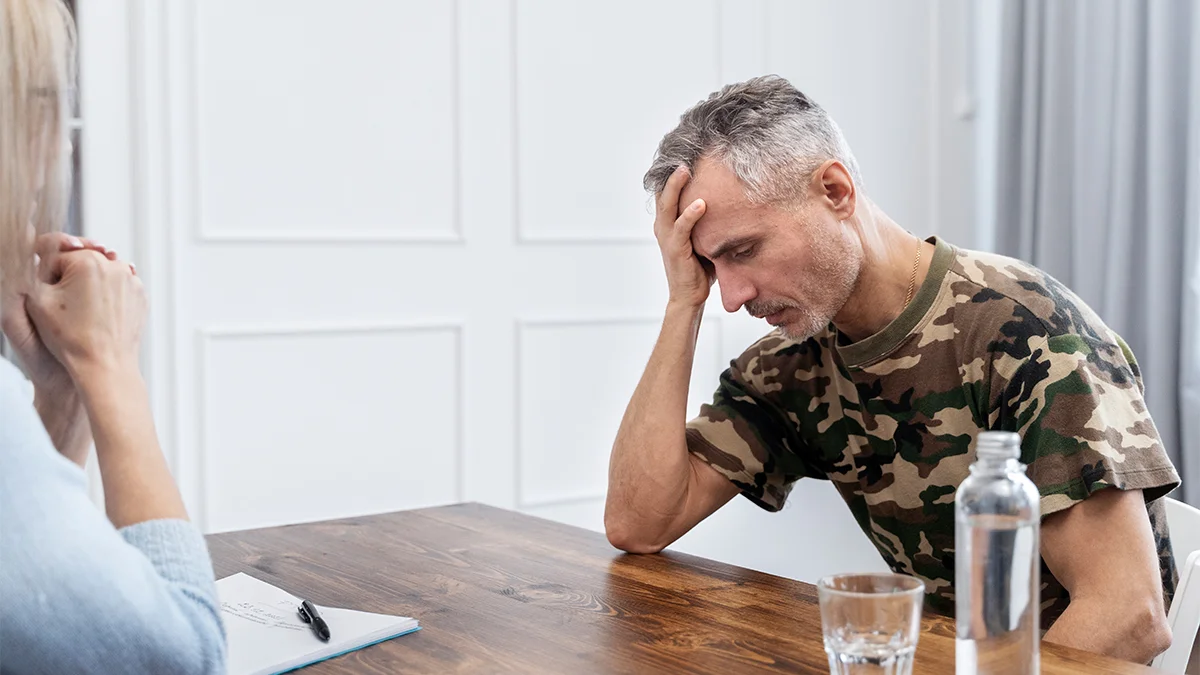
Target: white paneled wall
column 316, row 404
column 399, row 252
column 350, row 114
column 574, row 379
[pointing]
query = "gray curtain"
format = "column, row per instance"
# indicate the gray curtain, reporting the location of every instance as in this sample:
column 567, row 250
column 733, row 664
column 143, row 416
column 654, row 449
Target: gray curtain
column 1099, row 180
column 1189, row 362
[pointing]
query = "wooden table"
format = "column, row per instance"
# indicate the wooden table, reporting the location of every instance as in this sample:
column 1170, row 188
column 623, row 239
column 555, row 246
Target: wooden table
column 497, row 591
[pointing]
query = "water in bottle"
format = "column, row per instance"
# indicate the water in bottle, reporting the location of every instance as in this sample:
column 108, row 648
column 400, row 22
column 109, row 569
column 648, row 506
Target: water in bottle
column 997, row 562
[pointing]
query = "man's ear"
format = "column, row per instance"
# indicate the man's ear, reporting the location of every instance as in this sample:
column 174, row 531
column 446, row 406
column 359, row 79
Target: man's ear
column 832, row 184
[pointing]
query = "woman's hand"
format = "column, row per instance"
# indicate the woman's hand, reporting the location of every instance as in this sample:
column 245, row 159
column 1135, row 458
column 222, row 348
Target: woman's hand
column 56, row 397
column 88, row 310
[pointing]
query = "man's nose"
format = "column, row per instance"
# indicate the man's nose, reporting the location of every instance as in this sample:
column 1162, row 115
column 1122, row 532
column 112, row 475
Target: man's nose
column 735, row 291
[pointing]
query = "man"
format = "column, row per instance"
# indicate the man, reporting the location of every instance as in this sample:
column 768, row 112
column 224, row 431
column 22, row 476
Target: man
column 889, row 355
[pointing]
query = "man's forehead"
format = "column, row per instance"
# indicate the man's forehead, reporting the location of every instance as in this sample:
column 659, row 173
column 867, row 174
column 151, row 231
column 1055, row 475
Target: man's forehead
column 727, row 214
column 713, row 182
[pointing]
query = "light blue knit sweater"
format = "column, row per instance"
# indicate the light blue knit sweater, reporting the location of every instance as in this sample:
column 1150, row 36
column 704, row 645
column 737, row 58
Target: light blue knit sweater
column 77, row 595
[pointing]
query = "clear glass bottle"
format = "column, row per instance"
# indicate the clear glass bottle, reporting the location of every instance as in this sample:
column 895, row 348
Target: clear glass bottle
column 997, row 566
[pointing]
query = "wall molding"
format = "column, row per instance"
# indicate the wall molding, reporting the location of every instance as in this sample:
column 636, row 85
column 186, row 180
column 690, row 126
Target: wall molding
column 717, row 334
column 206, row 336
column 329, row 234
column 567, row 321
column 208, row 236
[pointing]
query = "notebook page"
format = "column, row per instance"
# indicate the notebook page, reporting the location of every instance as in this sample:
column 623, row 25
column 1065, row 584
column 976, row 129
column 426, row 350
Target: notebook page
column 266, row 634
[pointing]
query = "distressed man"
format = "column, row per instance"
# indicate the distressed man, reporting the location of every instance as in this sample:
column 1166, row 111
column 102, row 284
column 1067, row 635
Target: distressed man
column 889, row 355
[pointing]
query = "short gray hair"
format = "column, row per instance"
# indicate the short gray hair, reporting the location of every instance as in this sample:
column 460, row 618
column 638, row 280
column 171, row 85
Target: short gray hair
column 768, row 133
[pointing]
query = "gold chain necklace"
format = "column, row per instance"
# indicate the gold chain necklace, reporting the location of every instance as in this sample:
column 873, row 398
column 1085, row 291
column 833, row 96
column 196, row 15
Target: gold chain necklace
column 912, row 281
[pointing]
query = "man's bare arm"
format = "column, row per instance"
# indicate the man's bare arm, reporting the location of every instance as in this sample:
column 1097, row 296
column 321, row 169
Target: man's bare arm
column 1103, row 552
column 657, row 490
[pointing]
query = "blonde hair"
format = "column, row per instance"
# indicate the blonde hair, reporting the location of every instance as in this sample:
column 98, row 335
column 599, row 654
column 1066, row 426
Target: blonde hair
column 37, row 76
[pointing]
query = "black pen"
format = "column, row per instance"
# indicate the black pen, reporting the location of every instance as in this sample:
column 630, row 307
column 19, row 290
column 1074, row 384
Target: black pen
column 308, row 612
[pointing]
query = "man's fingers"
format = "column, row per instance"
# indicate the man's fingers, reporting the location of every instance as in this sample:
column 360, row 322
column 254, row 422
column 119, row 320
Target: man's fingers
column 668, row 199
column 687, row 220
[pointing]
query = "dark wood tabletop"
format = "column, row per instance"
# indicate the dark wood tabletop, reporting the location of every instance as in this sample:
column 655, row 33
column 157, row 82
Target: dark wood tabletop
column 497, row 591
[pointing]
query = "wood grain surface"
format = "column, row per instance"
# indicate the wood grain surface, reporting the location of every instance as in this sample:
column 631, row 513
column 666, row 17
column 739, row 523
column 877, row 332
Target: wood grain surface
column 501, row 592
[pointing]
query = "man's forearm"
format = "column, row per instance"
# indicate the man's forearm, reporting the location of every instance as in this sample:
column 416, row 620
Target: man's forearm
column 1112, row 628
column 649, row 470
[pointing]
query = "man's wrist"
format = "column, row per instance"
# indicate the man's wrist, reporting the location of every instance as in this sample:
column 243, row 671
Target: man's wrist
column 684, row 310
column 681, row 319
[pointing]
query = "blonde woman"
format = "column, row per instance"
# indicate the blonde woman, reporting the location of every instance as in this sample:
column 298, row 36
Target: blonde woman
column 81, row 593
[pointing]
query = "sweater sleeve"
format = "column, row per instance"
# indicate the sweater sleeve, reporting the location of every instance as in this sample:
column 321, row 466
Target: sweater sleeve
column 79, row 596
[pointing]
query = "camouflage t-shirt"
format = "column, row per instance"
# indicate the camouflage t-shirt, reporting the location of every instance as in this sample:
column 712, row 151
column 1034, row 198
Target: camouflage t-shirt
column 987, row 343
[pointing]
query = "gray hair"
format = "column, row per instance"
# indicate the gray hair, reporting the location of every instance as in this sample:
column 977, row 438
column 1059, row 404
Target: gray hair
column 768, row 133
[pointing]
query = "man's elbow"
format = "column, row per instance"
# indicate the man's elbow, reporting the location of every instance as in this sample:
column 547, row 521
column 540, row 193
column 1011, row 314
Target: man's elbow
column 1148, row 633
column 631, row 539
column 1128, row 628
column 1156, row 638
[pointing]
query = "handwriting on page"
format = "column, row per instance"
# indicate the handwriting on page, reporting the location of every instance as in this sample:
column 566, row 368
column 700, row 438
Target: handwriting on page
column 276, row 616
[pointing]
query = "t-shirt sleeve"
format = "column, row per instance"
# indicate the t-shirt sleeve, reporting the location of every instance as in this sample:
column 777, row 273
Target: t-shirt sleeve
column 745, row 435
column 1077, row 403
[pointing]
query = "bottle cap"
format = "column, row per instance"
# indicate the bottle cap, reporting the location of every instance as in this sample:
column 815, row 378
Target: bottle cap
column 998, row 445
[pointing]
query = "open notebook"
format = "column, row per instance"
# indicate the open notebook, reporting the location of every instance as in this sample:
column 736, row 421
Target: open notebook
column 266, row 635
